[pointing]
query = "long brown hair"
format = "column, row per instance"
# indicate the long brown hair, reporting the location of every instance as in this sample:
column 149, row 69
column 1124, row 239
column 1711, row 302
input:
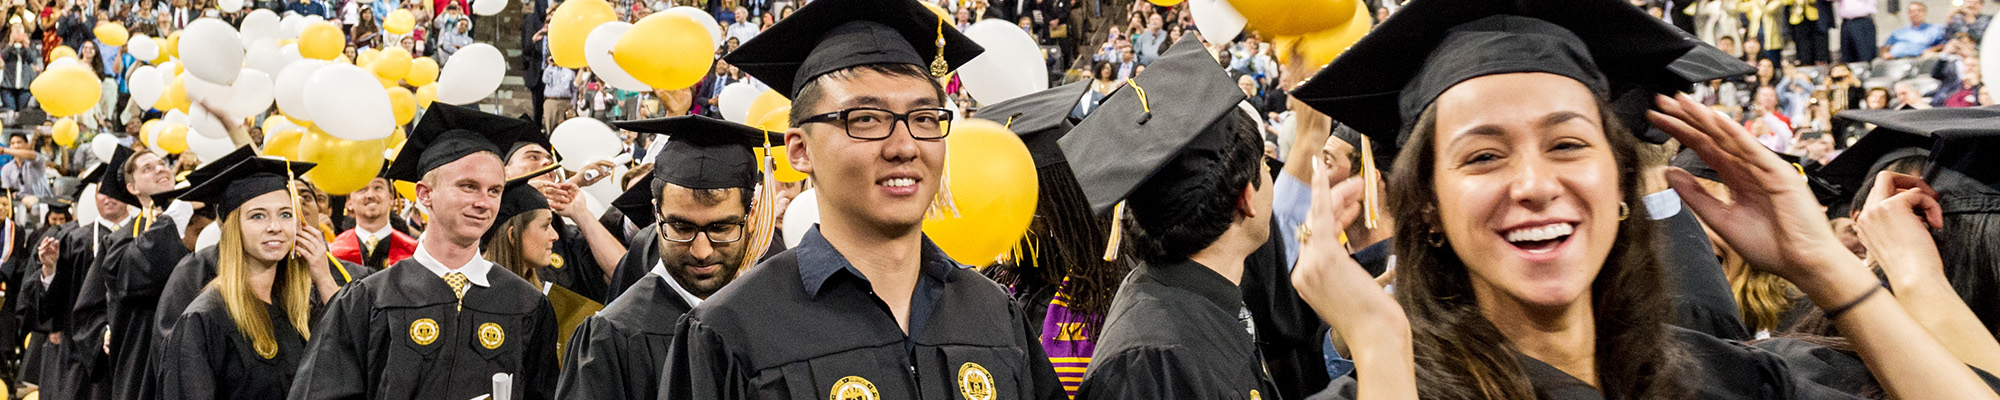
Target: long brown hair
column 291, row 290
column 505, row 249
column 1462, row 355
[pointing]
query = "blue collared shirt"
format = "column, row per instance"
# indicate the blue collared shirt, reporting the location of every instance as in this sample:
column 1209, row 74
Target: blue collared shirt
column 823, row 268
column 1911, row 41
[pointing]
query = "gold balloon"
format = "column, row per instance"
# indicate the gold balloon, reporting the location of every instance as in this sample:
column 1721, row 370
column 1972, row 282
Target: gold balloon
column 1295, row 17
column 403, row 103
column 767, row 101
column 400, row 22
column 391, row 65
column 167, row 49
column 665, row 51
column 61, row 52
column 426, row 94
column 67, row 90
column 572, row 22
column 112, row 34
column 65, row 132
column 992, row 183
column 283, row 144
column 174, row 98
column 1320, row 48
column 321, row 41
column 344, row 165
column 1165, row 3
column 423, row 71
column 778, row 120
column 366, row 56
column 173, row 138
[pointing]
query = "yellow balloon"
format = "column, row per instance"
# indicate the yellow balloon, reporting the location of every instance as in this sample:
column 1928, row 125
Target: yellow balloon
column 767, row 101
column 423, row 71
column 1165, row 3
column 344, row 165
column 993, row 187
column 664, row 50
column 275, row 122
column 111, row 33
column 173, row 138
column 1320, row 48
column 174, row 98
column 165, row 52
column 65, row 132
column 148, row 129
column 172, row 45
column 778, row 120
column 426, row 94
column 366, row 56
column 396, row 139
column 399, row 22
column 321, row 41
column 392, row 64
column 283, row 144
column 573, row 21
column 403, row 103
column 66, row 90
column 61, row 52
column 1294, row 17
column 407, row 189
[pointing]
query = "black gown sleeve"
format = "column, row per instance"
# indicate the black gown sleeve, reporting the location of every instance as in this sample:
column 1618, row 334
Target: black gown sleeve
column 593, row 368
column 1702, row 299
column 335, row 365
column 1047, row 385
column 539, row 370
column 699, row 367
column 190, row 275
column 1141, row 373
column 89, row 319
column 191, row 359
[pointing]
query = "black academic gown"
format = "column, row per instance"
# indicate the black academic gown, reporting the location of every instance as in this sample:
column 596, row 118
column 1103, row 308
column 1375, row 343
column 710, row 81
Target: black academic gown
column 804, row 324
column 370, row 344
column 617, row 353
column 189, row 281
column 208, row 359
column 579, row 271
column 1290, row 336
column 1702, row 299
column 139, row 272
column 641, row 252
column 88, row 374
column 1173, row 333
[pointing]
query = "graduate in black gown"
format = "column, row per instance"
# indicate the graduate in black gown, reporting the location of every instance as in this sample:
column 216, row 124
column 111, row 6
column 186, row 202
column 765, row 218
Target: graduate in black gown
column 1527, row 266
column 1198, row 203
column 700, row 192
column 522, row 241
column 132, row 179
column 241, row 339
column 441, row 324
column 865, row 306
column 586, row 251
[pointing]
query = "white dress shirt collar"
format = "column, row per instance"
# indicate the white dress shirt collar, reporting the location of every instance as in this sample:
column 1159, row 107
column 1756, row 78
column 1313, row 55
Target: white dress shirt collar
column 475, row 271
column 660, row 268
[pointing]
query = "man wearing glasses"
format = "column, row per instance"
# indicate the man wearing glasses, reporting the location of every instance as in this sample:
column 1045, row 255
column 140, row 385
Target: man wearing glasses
column 699, row 203
column 865, row 307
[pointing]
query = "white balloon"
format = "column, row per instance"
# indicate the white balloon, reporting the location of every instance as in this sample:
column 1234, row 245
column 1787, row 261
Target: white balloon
column 800, row 216
column 146, row 86
column 212, row 50
column 353, row 101
column 86, row 213
column 597, row 51
column 584, row 140
column 735, row 101
column 471, row 75
column 260, row 24
column 104, row 146
column 290, row 26
column 266, row 56
column 201, row 91
column 290, row 87
column 209, row 236
column 142, row 47
column 206, row 124
column 707, row 21
column 1011, row 67
column 229, row 6
column 1990, row 69
column 175, row 117
column 63, row 62
column 208, row 148
column 253, row 95
column 488, row 7
column 601, row 194
column 1217, row 20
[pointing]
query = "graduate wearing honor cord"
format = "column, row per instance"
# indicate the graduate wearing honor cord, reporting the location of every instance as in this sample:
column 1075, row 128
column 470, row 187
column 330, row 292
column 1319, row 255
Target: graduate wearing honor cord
column 442, row 323
column 866, row 307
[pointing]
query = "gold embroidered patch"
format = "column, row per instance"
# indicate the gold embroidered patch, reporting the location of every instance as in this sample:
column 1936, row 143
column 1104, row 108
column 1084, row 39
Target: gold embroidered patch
column 853, row 388
column 424, row 331
column 555, row 261
column 266, row 350
column 974, row 382
column 491, row 336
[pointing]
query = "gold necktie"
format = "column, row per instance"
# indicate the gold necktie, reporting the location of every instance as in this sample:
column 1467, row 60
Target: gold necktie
column 458, row 284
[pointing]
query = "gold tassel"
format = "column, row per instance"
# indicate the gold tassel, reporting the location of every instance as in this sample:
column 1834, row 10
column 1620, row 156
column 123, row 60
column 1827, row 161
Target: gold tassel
column 938, row 66
column 763, row 213
column 1117, row 232
column 1371, row 199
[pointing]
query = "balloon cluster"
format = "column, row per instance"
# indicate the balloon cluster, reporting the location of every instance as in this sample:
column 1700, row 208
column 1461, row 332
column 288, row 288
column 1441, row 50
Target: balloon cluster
column 668, row 50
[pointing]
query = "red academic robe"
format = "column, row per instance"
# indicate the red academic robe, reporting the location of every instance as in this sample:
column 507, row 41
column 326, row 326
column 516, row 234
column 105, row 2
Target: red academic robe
column 388, row 251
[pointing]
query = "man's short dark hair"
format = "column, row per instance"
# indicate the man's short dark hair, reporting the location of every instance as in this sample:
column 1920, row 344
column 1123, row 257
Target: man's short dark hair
column 1173, row 219
column 809, row 93
column 705, row 197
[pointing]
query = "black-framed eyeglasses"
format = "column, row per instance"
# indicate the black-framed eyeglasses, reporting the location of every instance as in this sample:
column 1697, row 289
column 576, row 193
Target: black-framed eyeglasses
column 719, row 232
column 869, row 123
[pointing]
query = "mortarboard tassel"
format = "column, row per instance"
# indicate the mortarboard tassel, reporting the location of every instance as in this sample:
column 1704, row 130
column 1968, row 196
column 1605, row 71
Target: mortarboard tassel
column 763, row 211
column 938, row 66
column 1117, row 232
column 1371, row 199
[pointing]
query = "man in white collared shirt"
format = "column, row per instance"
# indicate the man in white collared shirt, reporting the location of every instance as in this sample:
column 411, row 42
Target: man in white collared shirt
column 443, row 324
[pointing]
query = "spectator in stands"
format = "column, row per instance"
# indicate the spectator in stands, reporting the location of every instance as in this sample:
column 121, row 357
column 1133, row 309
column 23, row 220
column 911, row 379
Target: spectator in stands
column 1970, row 20
column 1878, row 98
column 75, row 24
column 306, row 7
column 20, row 61
column 963, row 19
column 449, row 41
column 1253, row 57
column 1910, row 98
column 1808, row 31
column 1150, row 40
column 1128, row 64
column 26, row 174
column 744, row 28
column 1917, row 39
column 1771, row 128
column 1795, row 92
column 1963, row 91
column 365, row 33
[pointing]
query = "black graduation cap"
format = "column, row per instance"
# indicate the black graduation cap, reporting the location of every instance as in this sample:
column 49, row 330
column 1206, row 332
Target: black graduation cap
column 1127, row 140
column 206, row 172
column 700, row 153
column 1848, row 171
column 113, row 182
column 1384, row 81
column 519, row 198
column 246, row 180
column 448, row 133
column 1040, row 118
column 831, row 35
column 1964, row 140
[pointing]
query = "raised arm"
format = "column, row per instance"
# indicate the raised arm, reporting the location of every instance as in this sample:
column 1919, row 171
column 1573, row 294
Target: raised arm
column 1899, row 240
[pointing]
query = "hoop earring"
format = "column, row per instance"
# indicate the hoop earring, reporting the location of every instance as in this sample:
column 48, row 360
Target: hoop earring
column 1624, row 211
column 1435, row 239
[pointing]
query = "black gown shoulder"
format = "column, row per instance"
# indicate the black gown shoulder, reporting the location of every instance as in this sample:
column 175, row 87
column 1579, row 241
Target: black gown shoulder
column 1165, row 342
column 617, row 354
column 207, row 358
